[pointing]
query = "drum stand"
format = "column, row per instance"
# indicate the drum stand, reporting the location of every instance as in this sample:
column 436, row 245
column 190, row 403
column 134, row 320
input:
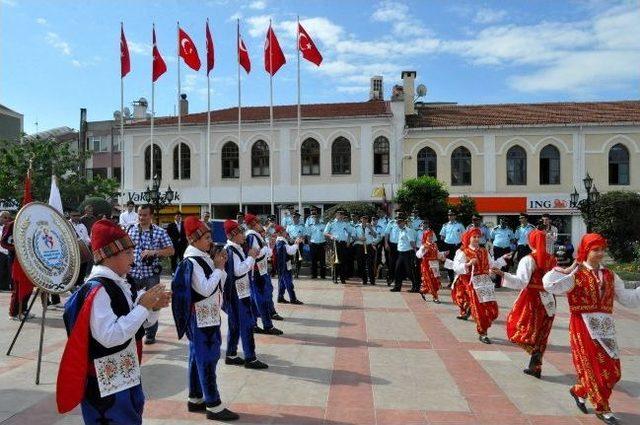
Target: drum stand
column 44, row 298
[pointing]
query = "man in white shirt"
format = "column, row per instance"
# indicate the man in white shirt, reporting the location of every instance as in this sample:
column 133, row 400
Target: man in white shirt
column 129, row 217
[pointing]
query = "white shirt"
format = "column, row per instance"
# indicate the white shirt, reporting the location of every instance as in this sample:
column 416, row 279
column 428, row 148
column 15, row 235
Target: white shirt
column 81, row 232
column 266, row 251
column 525, row 270
column 241, row 265
column 109, row 329
column 128, row 218
column 558, row 283
column 199, row 281
column 420, row 253
column 2, row 250
column 291, row 249
column 552, row 237
column 460, row 262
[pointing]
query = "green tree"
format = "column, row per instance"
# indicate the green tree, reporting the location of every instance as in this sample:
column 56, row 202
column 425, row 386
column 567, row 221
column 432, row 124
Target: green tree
column 465, row 208
column 101, row 207
column 428, row 195
column 613, row 217
column 48, row 158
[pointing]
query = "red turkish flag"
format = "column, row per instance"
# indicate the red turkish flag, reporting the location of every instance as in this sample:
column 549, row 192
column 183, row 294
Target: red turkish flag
column 307, row 47
column 210, row 50
column 188, row 50
column 273, row 56
column 243, row 55
column 125, row 61
column 159, row 66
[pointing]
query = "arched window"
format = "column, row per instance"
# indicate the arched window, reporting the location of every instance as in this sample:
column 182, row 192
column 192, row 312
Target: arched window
column 230, row 161
column 549, row 165
column 427, row 162
column 157, row 162
column 341, row 156
column 516, row 166
column 619, row 165
column 310, row 157
column 461, row 167
column 381, row 155
column 260, row 159
column 183, row 152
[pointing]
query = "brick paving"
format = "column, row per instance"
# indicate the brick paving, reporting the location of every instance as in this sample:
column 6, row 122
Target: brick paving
column 350, row 355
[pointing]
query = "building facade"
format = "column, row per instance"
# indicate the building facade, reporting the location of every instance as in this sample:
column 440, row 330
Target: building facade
column 11, row 124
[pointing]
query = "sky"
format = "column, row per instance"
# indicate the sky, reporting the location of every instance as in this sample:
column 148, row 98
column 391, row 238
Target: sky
column 59, row 56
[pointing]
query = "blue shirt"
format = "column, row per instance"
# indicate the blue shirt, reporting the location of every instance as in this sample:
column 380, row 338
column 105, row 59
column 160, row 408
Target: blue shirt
column 287, row 220
column 502, row 237
column 340, row 230
column 452, row 232
column 310, row 220
column 416, row 222
column 391, row 231
column 155, row 238
column 360, row 232
column 296, row 230
column 383, row 221
column 315, row 232
column 522, row 233
column 485, row 233
column 406, row 236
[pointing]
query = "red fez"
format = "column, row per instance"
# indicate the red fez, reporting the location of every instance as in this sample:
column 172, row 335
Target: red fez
column 195, row 228
column 231, row 227
column 279, row 229
column 108, row 239
column 249, row 219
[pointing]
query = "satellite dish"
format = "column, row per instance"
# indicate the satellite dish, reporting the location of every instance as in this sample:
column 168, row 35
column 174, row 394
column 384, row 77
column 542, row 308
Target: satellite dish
column 143, row 101
column 422, row 90
column 116, row 115
column 127, row 112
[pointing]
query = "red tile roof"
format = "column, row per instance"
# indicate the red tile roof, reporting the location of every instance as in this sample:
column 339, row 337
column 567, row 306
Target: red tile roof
column 374, row 108
column 523, row 114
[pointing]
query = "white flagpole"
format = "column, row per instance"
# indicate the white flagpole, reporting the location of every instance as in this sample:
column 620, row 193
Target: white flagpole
column 271, row 170
column 208, row 162
column 179, row 114
column 153, row 112
column 239, row 115
column 298, row 146
column 121, row 126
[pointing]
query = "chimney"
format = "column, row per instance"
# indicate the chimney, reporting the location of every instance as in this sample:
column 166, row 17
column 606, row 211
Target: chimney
column 408, row 85
column 377, row 90
column 184, row 105
column 140, row 109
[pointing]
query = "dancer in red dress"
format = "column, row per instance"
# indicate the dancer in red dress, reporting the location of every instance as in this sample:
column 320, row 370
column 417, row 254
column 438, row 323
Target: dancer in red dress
column 472, row 265
column 591, row 289
column 531, row 317
column 430, row 265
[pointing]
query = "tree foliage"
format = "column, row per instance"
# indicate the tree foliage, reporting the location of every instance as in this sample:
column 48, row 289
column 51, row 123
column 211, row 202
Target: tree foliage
column 614, row 217
column 426, row 194
column 49, row 158
column 101, row 207
column 465, row 208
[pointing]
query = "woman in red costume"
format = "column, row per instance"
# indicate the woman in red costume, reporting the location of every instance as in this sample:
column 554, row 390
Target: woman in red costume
column 591, row 289
column 430, row 265
column 472, row 265
column 530, row 319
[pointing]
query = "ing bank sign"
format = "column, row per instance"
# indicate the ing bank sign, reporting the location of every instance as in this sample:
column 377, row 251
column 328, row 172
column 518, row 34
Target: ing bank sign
column 549, row 203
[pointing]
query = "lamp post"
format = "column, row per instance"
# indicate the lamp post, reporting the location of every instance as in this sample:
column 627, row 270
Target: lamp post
column 585, row 205
column 157, row 198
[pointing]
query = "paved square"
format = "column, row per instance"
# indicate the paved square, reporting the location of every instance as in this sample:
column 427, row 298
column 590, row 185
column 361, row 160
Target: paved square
column 350, row 355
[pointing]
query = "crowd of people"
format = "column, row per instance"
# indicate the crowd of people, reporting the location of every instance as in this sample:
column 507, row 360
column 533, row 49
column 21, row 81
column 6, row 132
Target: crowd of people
column 115, row 309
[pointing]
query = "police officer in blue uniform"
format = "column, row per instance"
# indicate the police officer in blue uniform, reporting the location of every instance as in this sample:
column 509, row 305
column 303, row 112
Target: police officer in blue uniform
column 314, row 228
column 339, row 230
column 522, row 237
column 296, row 230
column 451, row 235
column 405, row 264
column 391, row 245
column 501, row 238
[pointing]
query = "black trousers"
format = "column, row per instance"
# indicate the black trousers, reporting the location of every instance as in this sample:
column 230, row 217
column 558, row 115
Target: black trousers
column 5, row 273
column 452, row 248
column 391, row 262
column 343, row 257
column 405, row 268
column 365, row 263
column 497, row 253
column 318, row 256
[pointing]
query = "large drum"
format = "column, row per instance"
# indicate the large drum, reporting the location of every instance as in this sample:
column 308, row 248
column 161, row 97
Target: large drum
column 46, row 247
column 85, row 252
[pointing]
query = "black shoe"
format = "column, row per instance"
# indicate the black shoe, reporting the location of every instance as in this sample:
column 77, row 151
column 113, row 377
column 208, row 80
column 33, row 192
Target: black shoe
column 437, row 301
column 484, row 339
column 276, row 316
column 223, row 415
column 462, row 317
column 388, row 283
column 581, row 405
column 394, row 289
column 258, row 330
column 297, row 302
column 533, row 372
column 272, row 331
column 372, row 284
column 149, row 341
column 335, row 282
column 282, row 301
column 413, row 290
column 344, row 282
column 196, row 407
column 611, row 420
column 256, row 364
column 234, row 361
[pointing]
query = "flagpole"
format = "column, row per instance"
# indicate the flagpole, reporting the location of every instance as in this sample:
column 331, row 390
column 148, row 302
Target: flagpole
column 298, row 145
column 153, row 113
column 239, row 113
column 208, row 162
column 271, row 170
column 179, row 114
column 121, row 127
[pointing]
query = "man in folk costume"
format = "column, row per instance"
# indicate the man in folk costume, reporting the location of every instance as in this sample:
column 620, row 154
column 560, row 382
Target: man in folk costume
column 472, row 264
column 237, row 299
column 591, row 289
column 197, row 289
column 261, row 286
column 284, row 251
column 105, row 319
column 430, row 265
column 531, row 317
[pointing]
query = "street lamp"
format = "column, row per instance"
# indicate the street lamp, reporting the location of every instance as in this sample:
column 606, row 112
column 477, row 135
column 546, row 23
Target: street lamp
column 585, row 204
column 158, row 199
